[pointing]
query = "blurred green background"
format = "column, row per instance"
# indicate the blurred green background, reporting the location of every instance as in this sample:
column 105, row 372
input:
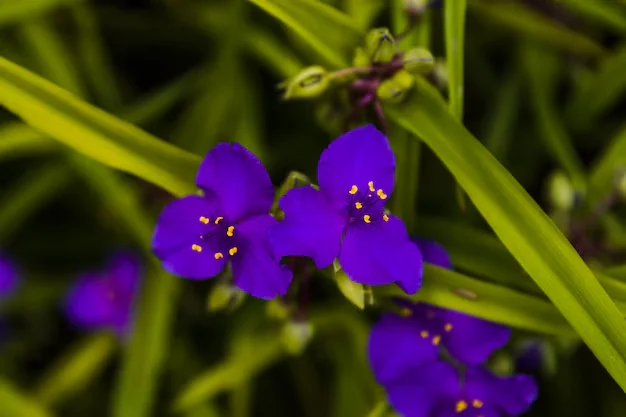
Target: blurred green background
column 545, row 91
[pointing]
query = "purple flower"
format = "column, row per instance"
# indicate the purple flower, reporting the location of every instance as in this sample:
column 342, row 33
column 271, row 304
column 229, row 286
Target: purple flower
column 9, row 279
column 433, row 252
column 345, row 219
column 436, row 390
column 196, row 236
column 104, row 299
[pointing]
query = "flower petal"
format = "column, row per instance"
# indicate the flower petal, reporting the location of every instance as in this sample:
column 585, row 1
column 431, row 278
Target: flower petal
column 89, row 302
column 420, row 393
column 472, row 340
column 124, row 269
column 356, row 158
column 178, row 228
column 311, row 227
column 395, row 345
column 8, row 276
column 255, row 269
column 513, row 394
column 381, row 253
column 238, row 179
column 450, row 411
column 433, row 253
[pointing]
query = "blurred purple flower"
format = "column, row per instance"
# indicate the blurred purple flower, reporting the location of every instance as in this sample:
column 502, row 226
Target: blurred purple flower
column 9, row 279
column 105, row 299
column 530, row 358
column 196, row 236
column 345, row 219
column 433, row 252
column 435, row 389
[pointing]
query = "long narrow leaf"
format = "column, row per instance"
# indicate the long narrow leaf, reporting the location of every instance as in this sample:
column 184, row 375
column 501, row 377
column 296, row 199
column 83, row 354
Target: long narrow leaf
column 454, row 22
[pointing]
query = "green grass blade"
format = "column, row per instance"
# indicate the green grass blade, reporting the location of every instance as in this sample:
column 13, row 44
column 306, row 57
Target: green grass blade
column 94, row 132
column 541, row 71
column 329, row 32
column 454, row 23
column 15, row 11
column 604, row 12
column 74, row 371
column 16, row 404
column 363, row 12
column 603, row 170
column 525, row 230
column 18, row 139
column 498, row 133
column 514, row 16
column 272, row 53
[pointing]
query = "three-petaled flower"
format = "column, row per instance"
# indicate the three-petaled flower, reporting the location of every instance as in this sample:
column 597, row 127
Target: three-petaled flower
column 104, row 299
column 346, row 218
column 197, row 235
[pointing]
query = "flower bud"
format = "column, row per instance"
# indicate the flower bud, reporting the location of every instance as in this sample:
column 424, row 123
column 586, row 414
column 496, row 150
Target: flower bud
column 418, row 61
column 416, row 7
column 309, row 83
column 361, row 59
column 296, row 336
column 561, row 194
column 440, row 74
column 380, row 45
column 277, row 309
column 394, row 89
column 225, row 296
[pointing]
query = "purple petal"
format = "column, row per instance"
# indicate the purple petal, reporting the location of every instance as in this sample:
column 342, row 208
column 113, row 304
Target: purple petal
column 238, row 179
column 311, row 227
column 125, row 270
column 255, row 269
column 472, row 340
column 381, row 253
column 178, row 228
column 395, row 345
column 450, row 411
column 420, row 392
column 90, row 302
column 513, row 394
column 356, row 158
column 433, row 253
column 8, row 276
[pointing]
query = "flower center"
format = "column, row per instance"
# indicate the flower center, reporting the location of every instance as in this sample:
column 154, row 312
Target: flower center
column 366, row 204
column 219, row 237
column 474, row 405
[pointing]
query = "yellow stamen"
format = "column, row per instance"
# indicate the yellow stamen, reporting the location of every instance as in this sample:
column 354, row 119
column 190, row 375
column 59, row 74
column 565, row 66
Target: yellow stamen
column 358, row 205
column 385, row 217
column 230, row 231
column 424, row 334
column 447, row 327
column 406, row 312
column 436, row 340
column 232, row 251
column 353, row 190
column 197, row 248
column 477, row 403
column 366, row 218
column 218, row 255
column 381, row 195
column 218, row 219
column 204, row 220
column 371, row 185
column 461, row 406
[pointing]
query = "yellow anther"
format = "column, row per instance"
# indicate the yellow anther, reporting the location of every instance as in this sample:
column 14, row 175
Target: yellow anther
column 477, row 404
column 424, row 334
column 204, row 220
column 406, row 312
column 366, row 218
column 358, row 205
column 447, row 327
column 197, row 248
column 353, row 190
column 436, row 340
column 371, row 185
column 230, row 231
column 219, row 219
column 461, row 406
column 385, row 217
column 218, row 255
column 232, row 251
column 381, row 195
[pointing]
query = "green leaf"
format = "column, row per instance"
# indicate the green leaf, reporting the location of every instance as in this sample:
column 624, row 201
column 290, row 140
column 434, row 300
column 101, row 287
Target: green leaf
column 16, row 404
column 75, row 370
column 602, row 172
column 15, row 11
column 498, row 133
column 515, row 16
column 351, row 290
column 523, row 228
column 94, row 132
column 329, row 32
column 454, row 23
column 605, row 12
column 363, row 12
column 596, row 95
column 19, row 139
column 542, row 67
